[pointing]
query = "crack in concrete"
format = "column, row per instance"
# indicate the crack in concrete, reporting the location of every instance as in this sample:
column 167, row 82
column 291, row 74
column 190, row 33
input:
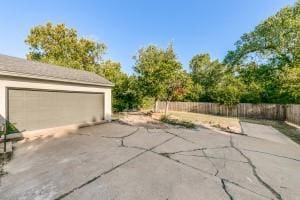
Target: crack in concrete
column 212, row 157
column 223, row 181
column 169, row 132
column 225, row 189
column 242, row 187
column 211, row 162
column 253, row 167
column 122, row 137
column 271, row 154
column 97, row 177
column 216, row 174
column 197, row 169
column 197, row 149
column 166, row 155
column 111, row 169
column 183, row 151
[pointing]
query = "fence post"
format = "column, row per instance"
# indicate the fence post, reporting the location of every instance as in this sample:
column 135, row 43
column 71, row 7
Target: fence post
column 284, row 112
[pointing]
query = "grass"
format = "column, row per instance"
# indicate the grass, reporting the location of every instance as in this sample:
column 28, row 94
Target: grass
column 10, row 129
column 281, row 126
column 168, row 120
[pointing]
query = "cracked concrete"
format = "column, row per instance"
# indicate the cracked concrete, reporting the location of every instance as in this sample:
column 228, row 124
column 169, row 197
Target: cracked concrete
column 117, row 161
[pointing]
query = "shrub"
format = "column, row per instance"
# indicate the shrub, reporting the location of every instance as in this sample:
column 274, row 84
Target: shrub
column 166, row 119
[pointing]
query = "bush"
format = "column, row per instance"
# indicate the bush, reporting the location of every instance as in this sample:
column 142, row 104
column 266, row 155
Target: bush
column 168, row 120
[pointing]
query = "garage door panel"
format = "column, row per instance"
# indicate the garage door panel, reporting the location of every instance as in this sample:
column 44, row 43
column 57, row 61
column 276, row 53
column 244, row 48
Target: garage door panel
column 29, row 110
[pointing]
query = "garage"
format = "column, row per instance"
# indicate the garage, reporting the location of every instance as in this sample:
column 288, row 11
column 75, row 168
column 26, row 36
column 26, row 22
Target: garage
column 37, row 109
column 36, row 96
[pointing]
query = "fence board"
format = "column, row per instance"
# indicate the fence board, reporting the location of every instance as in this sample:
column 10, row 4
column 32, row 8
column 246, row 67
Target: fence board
column 293, row 113
column 290, row 112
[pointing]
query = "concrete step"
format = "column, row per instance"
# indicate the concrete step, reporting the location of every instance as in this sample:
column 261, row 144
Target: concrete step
column 12, row 136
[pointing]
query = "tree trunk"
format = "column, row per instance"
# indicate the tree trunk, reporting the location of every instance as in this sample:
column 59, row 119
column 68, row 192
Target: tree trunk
column 155, row 105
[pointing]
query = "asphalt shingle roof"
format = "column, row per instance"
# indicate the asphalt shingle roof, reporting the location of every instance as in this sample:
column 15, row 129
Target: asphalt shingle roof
column 32, row 69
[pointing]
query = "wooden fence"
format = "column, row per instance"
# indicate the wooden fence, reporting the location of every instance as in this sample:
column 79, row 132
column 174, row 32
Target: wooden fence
column 293, row 113
column 290, row 112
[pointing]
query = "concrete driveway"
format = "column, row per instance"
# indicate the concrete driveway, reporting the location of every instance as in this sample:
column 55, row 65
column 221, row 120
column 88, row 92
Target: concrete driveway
column 115, row 161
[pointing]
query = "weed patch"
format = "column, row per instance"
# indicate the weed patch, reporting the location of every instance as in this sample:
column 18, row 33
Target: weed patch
column 168, row 120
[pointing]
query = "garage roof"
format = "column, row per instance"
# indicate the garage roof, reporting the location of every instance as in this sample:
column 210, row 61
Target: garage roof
column 13, row 66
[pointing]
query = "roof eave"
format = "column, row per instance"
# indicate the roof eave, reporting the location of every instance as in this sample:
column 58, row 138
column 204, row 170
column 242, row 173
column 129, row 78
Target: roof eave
column 24, row 75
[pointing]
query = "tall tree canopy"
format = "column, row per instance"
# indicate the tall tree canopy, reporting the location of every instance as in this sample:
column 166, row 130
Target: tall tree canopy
column 263, row 58
column 126, row 95
column 60, row 45
column 290, row 84
column 275, row 41
column 155, row 69
column 228, row 90
column 207, row 73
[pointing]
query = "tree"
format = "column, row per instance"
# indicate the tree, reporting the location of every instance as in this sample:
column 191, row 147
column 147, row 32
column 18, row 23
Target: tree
column 112, row 71
column 290, row 85
column 275, row 41
column 228, row 91
column 178, row 86
column 252, row 93
column 263, row 56
column 126, row 95
column 194, row 92
column 155, row 68
column 207, row 73
column 60, row 45
column 251, row 77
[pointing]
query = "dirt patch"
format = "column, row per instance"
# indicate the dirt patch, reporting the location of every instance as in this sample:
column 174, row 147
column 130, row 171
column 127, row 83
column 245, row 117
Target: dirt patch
column 226, row 124
column 140, row 119
column 153, row 120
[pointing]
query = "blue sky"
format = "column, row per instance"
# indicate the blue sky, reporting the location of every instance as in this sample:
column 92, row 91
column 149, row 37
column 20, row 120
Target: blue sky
column 194, row 26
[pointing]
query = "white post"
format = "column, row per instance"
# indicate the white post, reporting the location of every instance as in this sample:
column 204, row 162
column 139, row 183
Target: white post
column 107, row 106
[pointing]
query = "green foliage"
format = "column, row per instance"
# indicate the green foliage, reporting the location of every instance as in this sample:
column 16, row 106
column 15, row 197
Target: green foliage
column 290, row 84
column 267, row 58
column 147, row 103
column 194, row 92
column 10, row 128
column 60, row 45
column 206, row 73
column 112, row 71
column 276, row 40
column 252, row 93
column 155, row 69
column 126, row 95
column 166, row 119
column 178, row 86
column 228, row 91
